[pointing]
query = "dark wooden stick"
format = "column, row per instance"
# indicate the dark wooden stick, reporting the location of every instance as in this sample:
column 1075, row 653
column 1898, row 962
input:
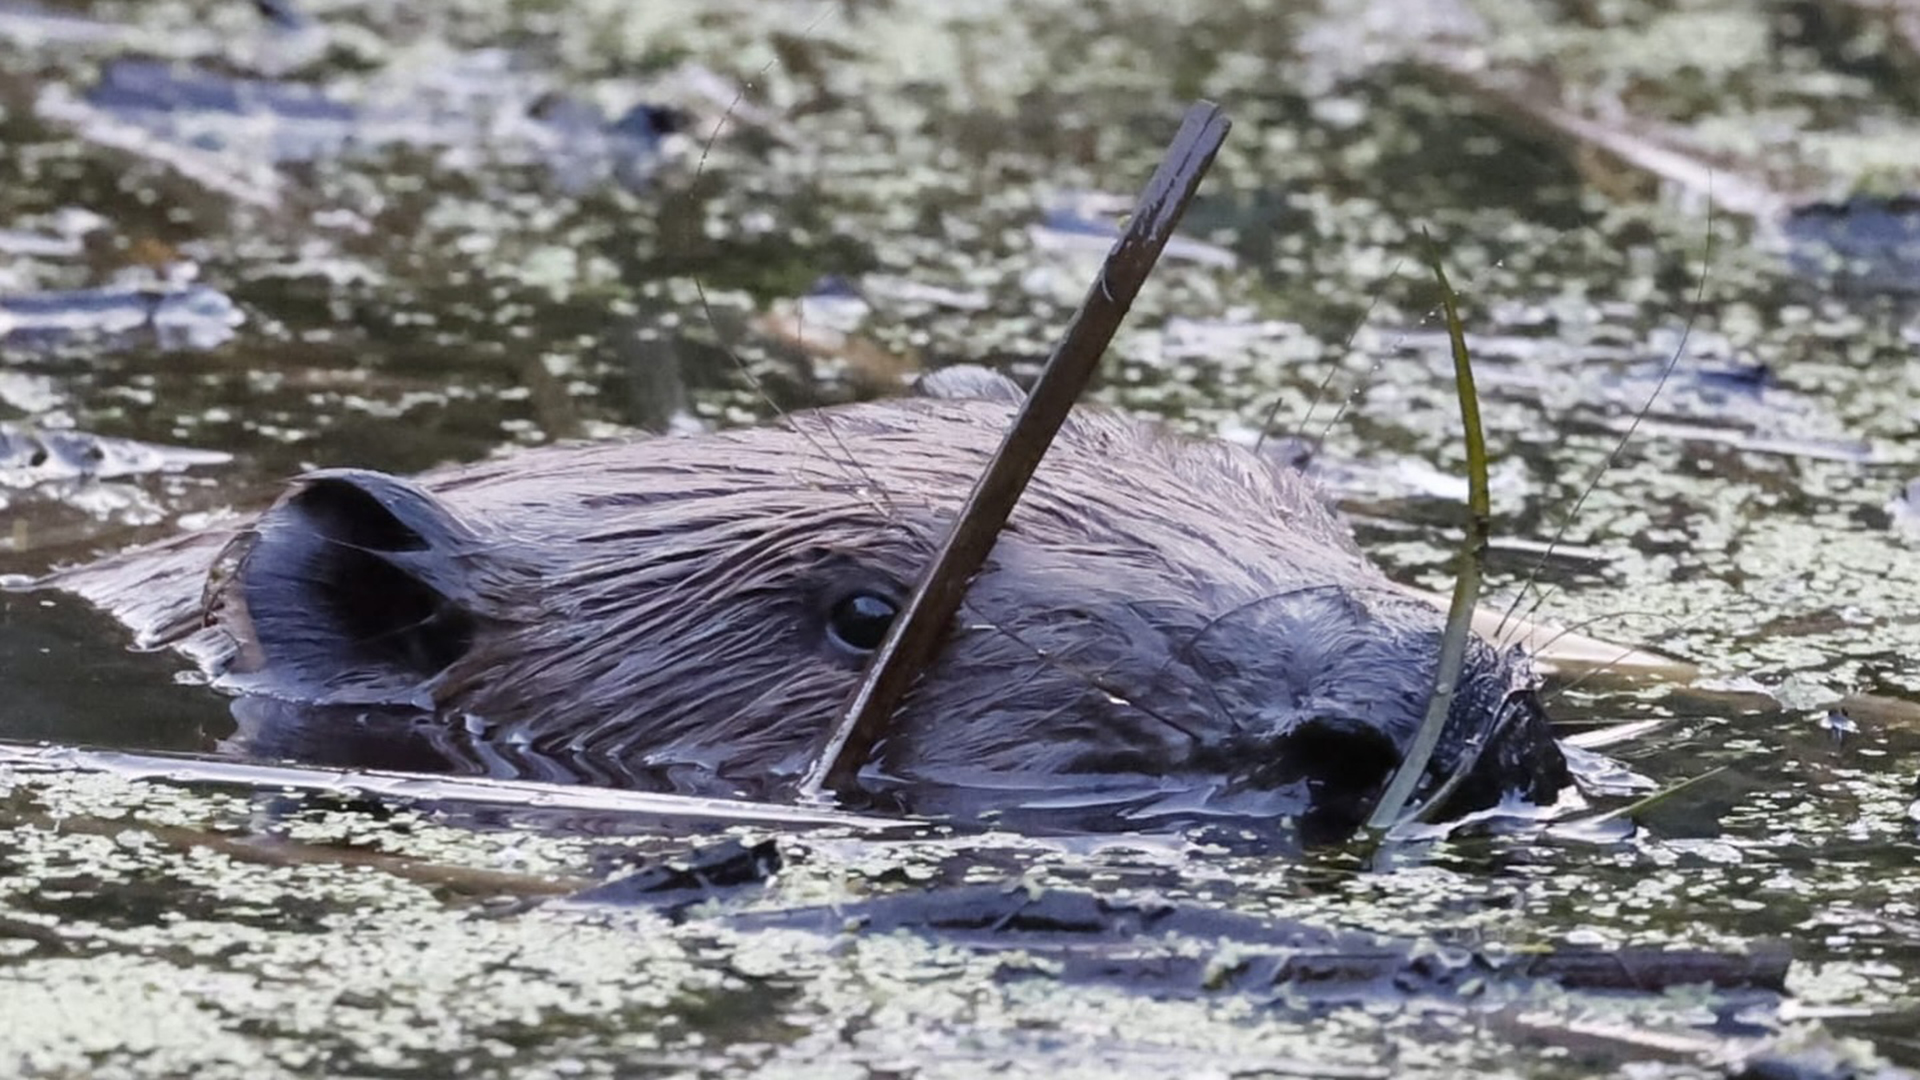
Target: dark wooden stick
column 1637, row 143
column 916, row 633
column 1116, row 939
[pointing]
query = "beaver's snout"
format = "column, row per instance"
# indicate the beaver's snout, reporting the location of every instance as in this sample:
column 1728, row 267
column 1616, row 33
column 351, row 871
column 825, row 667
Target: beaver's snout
column 1290, row 691
column 1338, row 762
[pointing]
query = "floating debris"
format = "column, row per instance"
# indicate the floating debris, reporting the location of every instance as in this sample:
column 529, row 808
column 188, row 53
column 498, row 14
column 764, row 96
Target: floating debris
column 432, row 788
column 703, row 874
column 257, row 119
column 1079, row 936
column 31, row 25
column 1090, row 223
column 226, row 133
column 1904, row 508
column 189, row 317
column 19, row 242
column 1638, row 143
column 29, row 456
column 1864, row 244
column 1856, row 451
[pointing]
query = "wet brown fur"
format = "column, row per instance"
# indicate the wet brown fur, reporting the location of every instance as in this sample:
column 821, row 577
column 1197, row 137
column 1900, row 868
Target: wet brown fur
column 1170, row 610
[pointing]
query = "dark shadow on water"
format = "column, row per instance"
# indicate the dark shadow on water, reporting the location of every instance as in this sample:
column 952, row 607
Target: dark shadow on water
column 69, row 678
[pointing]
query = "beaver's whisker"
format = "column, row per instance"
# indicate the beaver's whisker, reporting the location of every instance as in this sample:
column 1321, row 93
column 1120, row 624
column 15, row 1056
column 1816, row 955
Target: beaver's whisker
column 1185, row 650
column 1611, row 664
column 1593, row 482
column 1319, row 392
column 1095, row 681
column 1218, row 618
column 1547, row 594
column 847, row 460
column 1347, row 402
column 1581, row 626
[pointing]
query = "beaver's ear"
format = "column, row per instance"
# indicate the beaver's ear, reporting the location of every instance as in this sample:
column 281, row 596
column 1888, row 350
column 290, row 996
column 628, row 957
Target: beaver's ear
column 969, row 381
column 356, row 587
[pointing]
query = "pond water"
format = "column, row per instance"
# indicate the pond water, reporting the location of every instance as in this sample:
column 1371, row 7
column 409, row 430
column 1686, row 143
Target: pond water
column 238, row 241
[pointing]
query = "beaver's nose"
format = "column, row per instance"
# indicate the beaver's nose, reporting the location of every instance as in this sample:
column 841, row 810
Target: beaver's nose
column 1335, row 752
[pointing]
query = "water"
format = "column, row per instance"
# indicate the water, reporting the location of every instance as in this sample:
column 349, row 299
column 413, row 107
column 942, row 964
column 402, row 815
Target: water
column 503, row 260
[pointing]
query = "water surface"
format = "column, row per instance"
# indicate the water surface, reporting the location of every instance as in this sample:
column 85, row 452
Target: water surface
column 387, row 235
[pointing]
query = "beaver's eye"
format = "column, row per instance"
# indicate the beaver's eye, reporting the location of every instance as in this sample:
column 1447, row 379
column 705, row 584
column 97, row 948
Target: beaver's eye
column 860, row 621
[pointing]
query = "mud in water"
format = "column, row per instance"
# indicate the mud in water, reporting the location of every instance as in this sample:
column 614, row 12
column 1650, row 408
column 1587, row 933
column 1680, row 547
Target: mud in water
column 240, row 240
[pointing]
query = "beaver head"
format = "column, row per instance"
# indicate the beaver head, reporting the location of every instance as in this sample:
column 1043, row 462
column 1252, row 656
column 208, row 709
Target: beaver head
column 1164, row 622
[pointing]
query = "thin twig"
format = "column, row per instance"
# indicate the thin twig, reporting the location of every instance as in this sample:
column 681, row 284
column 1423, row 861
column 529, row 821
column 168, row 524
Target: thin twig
column 423, row 787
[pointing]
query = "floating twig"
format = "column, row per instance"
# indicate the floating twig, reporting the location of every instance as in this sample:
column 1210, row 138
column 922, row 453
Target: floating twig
column 426, row 787
column 1648, row 148
column 1084, row 937
column 1640, row 806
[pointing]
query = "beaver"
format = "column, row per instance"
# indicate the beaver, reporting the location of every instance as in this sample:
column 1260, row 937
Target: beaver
column 1165, row 623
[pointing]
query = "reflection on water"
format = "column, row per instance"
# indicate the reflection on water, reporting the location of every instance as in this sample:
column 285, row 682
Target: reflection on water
column 235, row 246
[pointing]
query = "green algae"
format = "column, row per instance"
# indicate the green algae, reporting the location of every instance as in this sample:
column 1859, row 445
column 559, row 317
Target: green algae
column 924, row 144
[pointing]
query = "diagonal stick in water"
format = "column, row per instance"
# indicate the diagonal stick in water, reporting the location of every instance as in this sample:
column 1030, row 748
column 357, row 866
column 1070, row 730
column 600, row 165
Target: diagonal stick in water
column 915, row 635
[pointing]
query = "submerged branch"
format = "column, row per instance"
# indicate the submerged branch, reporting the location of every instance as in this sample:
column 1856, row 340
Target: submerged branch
column 425, row 787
